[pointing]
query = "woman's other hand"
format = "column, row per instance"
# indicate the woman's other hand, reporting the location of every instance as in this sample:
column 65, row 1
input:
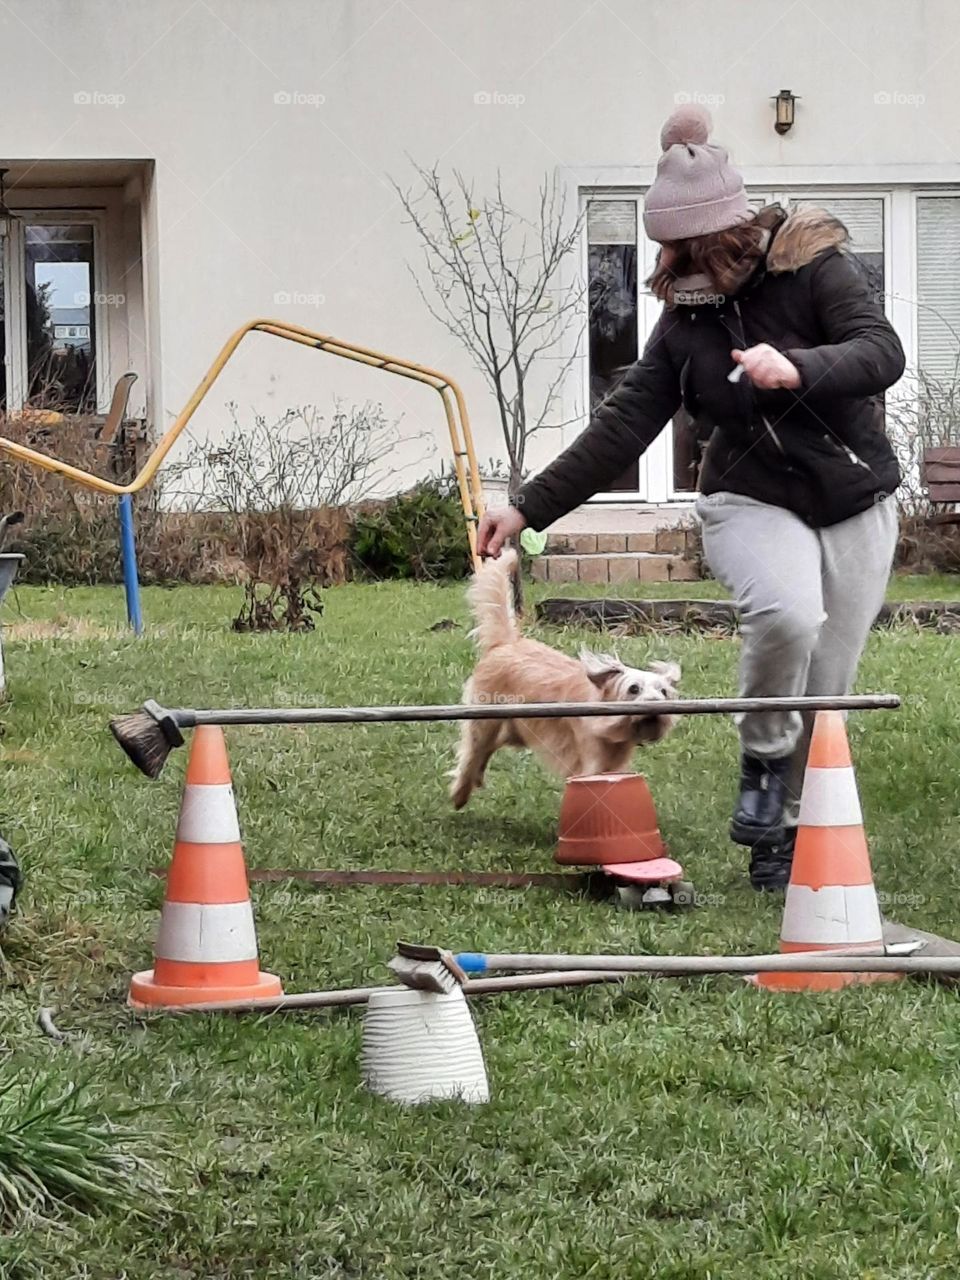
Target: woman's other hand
column 768, row 368
column 496, row 527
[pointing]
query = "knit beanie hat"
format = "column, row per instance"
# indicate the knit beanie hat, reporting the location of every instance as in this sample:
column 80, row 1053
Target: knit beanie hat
column 697, row 190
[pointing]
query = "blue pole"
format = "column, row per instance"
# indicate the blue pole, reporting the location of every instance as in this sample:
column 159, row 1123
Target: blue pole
column 128, row 549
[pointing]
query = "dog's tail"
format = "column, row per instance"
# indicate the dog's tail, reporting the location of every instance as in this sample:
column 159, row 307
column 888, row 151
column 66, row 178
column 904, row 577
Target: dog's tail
column 491, row 601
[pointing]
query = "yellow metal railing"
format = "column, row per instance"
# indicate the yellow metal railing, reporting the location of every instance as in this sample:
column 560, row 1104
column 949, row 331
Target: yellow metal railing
column 454, row 407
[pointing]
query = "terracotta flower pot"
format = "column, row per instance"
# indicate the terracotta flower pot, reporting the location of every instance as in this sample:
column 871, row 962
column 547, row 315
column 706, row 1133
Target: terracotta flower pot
column 608, row 820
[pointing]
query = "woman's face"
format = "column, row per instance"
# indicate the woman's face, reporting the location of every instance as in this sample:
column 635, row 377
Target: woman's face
column 667, row 256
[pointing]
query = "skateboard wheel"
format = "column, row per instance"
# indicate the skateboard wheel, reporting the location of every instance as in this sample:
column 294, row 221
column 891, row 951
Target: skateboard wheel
column 629, row 897
column 683, row 893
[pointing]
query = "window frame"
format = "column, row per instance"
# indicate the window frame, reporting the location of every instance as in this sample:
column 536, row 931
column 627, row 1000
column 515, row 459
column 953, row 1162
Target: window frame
column 900, row 286
column 14, row 246
column 916, row 194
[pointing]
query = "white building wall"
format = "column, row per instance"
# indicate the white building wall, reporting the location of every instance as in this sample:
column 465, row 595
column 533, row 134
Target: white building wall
column 253, row 199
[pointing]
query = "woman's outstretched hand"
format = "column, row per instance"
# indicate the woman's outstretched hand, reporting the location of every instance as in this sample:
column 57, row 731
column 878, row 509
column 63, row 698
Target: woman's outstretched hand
column 496, row 527
column 768, row 368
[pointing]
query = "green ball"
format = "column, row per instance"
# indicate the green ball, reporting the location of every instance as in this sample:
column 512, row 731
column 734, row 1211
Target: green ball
column 532, row 542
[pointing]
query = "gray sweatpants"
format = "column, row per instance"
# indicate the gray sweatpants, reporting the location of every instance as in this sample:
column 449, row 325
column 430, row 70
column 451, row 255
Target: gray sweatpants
column 807, row 599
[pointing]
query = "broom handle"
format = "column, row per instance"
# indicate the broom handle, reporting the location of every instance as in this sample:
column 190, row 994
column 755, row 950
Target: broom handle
column 809, row 963
column 360, row 995
column 860, row 961
column 188, row 718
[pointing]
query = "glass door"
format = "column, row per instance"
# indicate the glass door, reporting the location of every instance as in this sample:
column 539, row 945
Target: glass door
column 612, row 305
column 49, row 316
column 619, row 257
column 60, row 316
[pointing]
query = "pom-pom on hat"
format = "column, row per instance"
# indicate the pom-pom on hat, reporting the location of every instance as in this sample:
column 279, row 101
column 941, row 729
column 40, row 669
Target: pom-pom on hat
column 688, row 125
column 697, row 190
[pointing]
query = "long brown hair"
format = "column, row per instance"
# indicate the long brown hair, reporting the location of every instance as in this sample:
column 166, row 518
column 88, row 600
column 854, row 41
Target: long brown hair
column 726, row 258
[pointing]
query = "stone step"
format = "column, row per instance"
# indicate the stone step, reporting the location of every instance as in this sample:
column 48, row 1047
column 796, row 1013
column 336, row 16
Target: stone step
column 670, row 542
column 625, row 566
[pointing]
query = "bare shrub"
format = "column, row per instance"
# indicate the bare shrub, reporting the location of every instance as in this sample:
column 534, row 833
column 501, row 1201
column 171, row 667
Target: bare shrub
column 266, row 508
column 282, row 490
column 925, row 414
column 70, row 533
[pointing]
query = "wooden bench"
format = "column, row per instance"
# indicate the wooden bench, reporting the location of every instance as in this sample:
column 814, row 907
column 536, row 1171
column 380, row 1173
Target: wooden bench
column 117, row 414
column 940, row 476
column 108, row 425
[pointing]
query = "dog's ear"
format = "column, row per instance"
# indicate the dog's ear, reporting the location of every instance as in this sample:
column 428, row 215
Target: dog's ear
column 600, row 666
column 669, row 670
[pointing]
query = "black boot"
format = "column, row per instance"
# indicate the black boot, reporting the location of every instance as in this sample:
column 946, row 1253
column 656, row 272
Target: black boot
column 770, row 867
column 9, row 881
column 758, row 817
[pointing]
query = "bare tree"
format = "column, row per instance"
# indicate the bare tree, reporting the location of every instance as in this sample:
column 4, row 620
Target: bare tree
column 924, row 414
column 495, row 286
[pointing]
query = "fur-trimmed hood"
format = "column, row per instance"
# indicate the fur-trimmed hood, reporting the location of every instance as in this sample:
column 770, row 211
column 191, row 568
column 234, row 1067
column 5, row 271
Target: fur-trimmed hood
column 792, row 241
column 800, row 236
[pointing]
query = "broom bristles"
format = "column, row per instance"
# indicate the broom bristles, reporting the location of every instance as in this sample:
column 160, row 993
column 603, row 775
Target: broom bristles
column 143, row 739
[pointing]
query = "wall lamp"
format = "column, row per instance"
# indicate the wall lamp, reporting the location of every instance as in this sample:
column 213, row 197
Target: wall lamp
column 785, row 103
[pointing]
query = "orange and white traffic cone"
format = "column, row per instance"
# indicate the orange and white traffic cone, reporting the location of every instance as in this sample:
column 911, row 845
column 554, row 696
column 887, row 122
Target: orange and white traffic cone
column 206, row 947
column 831, row 903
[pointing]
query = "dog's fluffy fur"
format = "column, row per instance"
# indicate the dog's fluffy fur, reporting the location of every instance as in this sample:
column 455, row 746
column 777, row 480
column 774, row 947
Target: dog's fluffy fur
column 512, row 668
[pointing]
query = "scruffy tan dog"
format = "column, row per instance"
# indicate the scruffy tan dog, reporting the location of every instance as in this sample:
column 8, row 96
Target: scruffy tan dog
column 513, row 669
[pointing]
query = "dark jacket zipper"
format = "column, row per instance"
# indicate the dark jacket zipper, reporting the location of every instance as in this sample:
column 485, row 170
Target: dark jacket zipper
column 763, row 418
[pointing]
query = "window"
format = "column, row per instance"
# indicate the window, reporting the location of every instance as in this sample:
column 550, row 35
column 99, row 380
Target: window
column 863, row 218
column 59, row 285
column 907, row 241
column 72, row 285
column 938, row 286
column 612, row 300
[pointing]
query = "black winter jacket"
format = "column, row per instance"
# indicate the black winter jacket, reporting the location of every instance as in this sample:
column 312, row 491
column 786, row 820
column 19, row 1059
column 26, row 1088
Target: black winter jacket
column 819, row 451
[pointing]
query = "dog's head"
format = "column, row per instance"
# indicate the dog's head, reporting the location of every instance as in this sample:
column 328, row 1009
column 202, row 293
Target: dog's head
column 620, row 683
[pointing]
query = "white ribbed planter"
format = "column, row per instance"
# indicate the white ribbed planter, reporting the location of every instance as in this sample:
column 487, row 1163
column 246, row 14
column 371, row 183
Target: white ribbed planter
column 10, row 562
column 419, row 1046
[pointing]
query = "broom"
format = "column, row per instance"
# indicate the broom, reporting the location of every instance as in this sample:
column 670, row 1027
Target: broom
column 150, row 734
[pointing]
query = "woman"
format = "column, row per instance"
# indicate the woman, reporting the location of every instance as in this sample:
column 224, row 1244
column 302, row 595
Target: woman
column 772, row 340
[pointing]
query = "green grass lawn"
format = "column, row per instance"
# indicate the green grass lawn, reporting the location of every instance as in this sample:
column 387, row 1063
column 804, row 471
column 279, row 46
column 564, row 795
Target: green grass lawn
column 671, row 1129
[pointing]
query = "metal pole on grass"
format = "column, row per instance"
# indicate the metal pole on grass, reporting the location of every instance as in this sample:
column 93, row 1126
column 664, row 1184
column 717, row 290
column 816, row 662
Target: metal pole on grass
column 128, row 551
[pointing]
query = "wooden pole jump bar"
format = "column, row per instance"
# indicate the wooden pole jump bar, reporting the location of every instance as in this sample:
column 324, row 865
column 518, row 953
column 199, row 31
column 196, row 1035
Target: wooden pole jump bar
column 148, row 735
column 187, row 718
column 360, row 995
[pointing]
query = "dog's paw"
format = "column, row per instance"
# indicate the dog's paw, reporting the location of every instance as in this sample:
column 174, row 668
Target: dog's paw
column 460, row 793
